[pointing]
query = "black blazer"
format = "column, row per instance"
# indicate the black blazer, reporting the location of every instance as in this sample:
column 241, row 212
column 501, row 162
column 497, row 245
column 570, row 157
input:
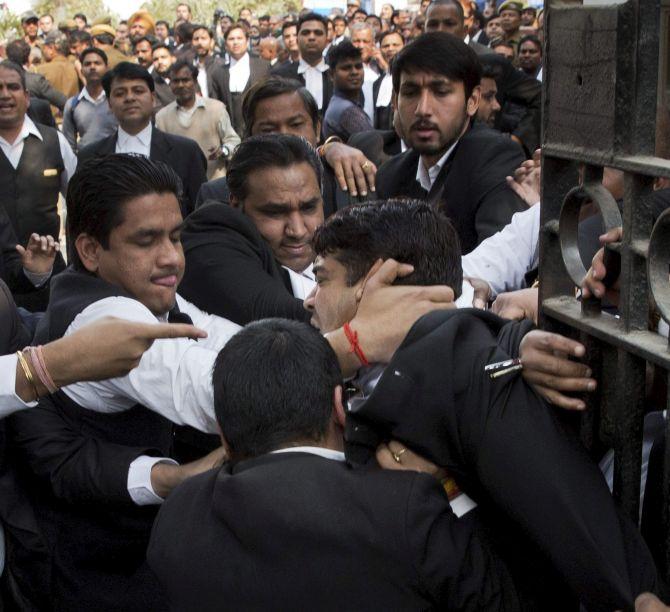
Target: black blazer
column 295, row 531
column 40, row 112
column 162, row 91
column 183, row 155
column 471, row 188
column 230, row 269
column 377, row 145
column 289, row 70
column 539, row 493
column 220, row 80
column 383, row 114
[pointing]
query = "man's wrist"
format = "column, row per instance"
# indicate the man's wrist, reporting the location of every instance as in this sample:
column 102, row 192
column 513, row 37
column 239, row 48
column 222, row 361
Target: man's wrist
column 165, row 477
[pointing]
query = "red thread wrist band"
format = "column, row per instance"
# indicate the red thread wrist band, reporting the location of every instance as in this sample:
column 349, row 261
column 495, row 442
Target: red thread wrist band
column 352, row 337
column 37, row 360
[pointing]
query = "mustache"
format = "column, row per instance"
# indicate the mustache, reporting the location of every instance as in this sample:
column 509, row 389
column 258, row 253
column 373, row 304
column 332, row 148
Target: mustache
column 423, row 125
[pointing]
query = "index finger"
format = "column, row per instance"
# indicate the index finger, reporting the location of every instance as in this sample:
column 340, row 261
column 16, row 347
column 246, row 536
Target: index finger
column 151, row 331
column 556, row 342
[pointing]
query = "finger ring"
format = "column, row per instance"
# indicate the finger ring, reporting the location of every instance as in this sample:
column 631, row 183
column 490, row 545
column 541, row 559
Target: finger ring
column 366, row 165
column 396, row 456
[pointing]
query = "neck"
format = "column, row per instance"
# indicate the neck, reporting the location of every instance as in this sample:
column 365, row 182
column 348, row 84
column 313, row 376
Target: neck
column 430, row 160
column 313, row 60
column 134, row 129
column 295, row 55
column 354, row 95
column 237, row 58
column 188, row 103
column 94, row 88
column 10, row 133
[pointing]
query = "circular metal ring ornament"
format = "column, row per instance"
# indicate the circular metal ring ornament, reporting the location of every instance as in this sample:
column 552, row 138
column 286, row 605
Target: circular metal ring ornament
column 568, row 225
column 658, row 264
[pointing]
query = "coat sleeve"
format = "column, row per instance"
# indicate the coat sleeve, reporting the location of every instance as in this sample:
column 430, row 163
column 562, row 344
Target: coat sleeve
column 69, row 128
column 79, row 468
column 197, row 176
column 456, row 567
column 225, row 276
column 50, row 93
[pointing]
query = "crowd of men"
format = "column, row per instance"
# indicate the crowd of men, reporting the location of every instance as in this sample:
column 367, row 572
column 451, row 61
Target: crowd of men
column 247, row 359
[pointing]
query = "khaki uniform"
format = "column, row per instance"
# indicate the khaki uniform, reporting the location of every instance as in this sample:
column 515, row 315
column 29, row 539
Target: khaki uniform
column 61, row 74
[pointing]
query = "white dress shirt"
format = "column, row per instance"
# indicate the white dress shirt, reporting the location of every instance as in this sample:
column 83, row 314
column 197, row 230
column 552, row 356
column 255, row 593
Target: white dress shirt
column 326, row 453
column 239, row 72
column 85, row 95
column 313, row 79
column 302, row 283
column 139, row 143
column 385, row 91
column 503, row 259
column 173, row 379
column 202, row 80
column 14, row 150
column 9, row 401
column 426, row 177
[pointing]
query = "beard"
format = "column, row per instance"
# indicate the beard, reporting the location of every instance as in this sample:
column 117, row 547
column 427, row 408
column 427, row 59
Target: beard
column 447, row 135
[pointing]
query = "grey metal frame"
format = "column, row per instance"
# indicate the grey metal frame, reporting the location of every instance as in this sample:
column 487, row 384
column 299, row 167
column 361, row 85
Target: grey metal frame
column 600, row 102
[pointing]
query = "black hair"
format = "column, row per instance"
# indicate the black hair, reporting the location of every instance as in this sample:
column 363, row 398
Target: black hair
column 285, row 26
column 79, row 36
column 361, row 11
column 236, row 26
column 491, row 17
column 185, row 32
column 261, row 400
column 491, row 69
column 10, row 65
column 200, row 26
column 440, row 53
column 383, row 35
column 339, row 18
column 182, row 63
column 272, row 87
column 18, row 51
column 311, row 16
column 344, row 51
column 149, row 39
column 268, row 151
column 410, row 231
column 161, row 45
column 455, row 3
column 532, row 39
column 99, row 52
column 501, row 42
column 81, row 16
column 264, row 18
column 371, row 16
column 163, row 22
column 188, row 6
column 126, row 71
column 99, row 188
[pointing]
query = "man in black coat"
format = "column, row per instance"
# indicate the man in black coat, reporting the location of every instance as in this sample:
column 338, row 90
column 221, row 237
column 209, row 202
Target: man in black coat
column 456, row 167
column 288, row 525
column 130, row 92
column 544, row 502
column 312, row 40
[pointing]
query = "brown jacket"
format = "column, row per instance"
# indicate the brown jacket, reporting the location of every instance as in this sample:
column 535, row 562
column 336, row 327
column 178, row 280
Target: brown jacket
column 61, row 74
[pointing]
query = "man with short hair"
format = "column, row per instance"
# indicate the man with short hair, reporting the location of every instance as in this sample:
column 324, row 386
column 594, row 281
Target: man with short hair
column 18, row 51
column 287, row 468
column 289, row 35
column 162, row 60
column 87, row 116
column 504, row 48
column 57, row 69
column 162, row 30
column 183, row 12
column 339, row 29
column 205, row 120
column 268, row 49
column 488, row 103
column 29, row 21
column 130, row 93
column 142, row 49
column 46, row 23
column 390, row 44
column 456, row 167
column 311, row 70
column 530, row 56
column 81, row 21
column 345, row 115
column 363, row 38
column 232, row 80
column 203, row 45
column 103, row 38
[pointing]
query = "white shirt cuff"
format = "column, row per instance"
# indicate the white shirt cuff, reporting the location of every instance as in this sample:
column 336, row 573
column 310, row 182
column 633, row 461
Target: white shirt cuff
column 9, row 401
column 139, row 480
column 37, row 279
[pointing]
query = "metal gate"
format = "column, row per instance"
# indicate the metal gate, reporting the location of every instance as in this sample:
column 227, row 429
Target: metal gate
column 601, row 93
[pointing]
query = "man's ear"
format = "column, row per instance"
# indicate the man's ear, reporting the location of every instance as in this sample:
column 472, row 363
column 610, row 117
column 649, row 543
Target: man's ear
column 339, row 415
column 88, row 249
column 473, row 101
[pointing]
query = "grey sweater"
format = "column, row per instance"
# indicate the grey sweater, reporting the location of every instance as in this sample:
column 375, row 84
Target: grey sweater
column 87, row 121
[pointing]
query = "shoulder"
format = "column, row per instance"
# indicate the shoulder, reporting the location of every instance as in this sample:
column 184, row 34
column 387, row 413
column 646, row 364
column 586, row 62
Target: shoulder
column 402, row 163
column 213, row 105
column 117, row 306
column 286, row 68
column 166, row 110
column 91, row 150
column 177, row 142
column 217, row 217
column 486, row 140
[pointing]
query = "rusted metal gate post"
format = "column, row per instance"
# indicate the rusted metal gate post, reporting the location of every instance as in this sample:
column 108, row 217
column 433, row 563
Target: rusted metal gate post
column 600, row 95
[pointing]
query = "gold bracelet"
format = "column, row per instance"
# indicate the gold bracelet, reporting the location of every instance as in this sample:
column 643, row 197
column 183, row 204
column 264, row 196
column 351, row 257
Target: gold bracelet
column 28, row 374
column 330, row 140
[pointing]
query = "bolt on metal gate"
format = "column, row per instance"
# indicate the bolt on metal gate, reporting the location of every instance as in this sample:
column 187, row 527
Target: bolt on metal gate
column 600, row 109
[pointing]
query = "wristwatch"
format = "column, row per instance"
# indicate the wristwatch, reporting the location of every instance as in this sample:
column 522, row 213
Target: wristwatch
column 225, row 151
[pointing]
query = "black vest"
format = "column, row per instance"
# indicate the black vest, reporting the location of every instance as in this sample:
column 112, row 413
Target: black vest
column 29, row 194
column 97, row 549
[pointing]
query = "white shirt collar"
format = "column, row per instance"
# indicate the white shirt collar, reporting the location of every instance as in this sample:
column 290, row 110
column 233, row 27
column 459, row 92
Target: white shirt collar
column 302, row 283
column 27, row 129
column 466, row 40
column 327, row 453
column 244, row 60
column 144, row 137
column 303, row 66
column 426, row 178
column 84, row 93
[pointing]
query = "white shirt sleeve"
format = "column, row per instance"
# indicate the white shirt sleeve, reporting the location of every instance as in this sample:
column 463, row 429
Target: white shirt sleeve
column 503, row 259
column 139, row 480
column 173, row 377
column 69, row 161
column 9, row 401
